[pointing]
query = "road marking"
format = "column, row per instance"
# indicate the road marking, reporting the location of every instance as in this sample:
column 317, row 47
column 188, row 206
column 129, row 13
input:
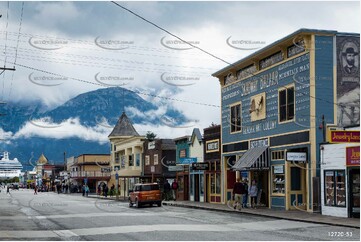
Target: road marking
column 233, row 227
column 89, row 215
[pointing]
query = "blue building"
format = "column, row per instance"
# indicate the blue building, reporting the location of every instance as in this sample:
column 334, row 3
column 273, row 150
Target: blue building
column 276, row 106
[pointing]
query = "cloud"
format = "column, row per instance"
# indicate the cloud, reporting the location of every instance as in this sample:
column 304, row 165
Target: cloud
column 70, row 128
column 5, row 136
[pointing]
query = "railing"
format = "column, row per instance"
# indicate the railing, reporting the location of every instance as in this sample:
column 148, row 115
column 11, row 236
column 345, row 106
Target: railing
column 89, row 174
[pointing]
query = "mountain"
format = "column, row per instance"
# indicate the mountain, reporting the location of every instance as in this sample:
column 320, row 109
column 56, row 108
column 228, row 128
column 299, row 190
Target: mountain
column 95, row 111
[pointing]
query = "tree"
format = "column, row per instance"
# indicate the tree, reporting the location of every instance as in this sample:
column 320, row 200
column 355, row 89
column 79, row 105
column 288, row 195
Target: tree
column 150, row 136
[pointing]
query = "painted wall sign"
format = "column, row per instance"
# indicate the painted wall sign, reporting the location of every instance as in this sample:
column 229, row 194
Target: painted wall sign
column 348, row 80
column 258, row 143
column 175, row 168
column 297, row 156
column 353, row 156
column 339, row 136
column 271, row 60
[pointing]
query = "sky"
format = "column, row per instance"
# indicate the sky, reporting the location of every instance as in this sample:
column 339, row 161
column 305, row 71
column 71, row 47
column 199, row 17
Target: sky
column 98, row 44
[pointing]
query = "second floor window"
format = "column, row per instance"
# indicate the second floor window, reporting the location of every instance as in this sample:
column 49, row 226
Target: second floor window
column 236, row 118
column 131, row 162
column 286, row 104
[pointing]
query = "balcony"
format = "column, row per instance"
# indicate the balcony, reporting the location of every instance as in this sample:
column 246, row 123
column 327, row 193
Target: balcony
column 90, row 174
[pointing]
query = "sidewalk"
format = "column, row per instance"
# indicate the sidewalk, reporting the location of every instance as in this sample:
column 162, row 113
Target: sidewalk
column 294, row 215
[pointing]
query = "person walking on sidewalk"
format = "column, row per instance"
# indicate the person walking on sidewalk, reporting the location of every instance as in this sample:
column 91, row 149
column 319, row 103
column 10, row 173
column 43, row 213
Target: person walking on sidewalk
column 83, row 190
column 166, row 188
column 87, row 190
column 7, row 189
column 245, row 196
column 35, row 190
column 174, row 189
column 238, row 192
column 253, row 191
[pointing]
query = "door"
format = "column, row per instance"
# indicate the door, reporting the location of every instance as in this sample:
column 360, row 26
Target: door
column 186, row 187
column 196, row 187
column 297, row 183
column 201, row 188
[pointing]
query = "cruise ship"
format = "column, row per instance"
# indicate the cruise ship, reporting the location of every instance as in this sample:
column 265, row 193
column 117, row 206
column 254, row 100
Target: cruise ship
column 9, row 168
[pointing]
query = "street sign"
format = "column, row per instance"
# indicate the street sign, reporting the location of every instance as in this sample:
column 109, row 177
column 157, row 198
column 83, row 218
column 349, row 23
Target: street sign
column 200, row 166
column 152, row 169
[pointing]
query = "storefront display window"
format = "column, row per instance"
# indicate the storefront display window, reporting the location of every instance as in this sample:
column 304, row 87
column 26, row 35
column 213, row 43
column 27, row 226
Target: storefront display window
column 180, row 184
column 335, row 188
column 278, row 179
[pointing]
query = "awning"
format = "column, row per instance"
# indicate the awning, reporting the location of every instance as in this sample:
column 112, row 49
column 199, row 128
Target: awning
column 254, row 159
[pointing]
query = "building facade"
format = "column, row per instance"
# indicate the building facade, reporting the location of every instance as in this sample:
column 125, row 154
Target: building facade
column 273, row 104
column 182, row 167
column 159, row 155
column 340, row 173
column 126, row 155
column 212, row 157
column 90, row 169
column 196, row 168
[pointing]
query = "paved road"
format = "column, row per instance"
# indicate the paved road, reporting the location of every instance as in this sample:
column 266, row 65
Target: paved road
column 49, row 216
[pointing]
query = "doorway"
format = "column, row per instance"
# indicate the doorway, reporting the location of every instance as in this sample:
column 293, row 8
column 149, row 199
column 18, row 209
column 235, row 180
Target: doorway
column 297, row 186
column 354, row 199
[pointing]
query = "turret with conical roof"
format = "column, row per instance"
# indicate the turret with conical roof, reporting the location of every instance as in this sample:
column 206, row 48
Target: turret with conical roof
column 124, row 127
column 42, row 160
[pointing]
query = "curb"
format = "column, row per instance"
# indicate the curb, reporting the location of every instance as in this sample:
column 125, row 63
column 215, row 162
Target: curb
column 259, row 215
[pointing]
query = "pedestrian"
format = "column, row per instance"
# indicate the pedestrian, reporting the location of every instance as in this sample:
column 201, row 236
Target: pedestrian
column 112, row 190
column 99, row 190
column 166, row 188
column 86, row 190
column 7, row 189
column 66, row 188
column 174, row 189
column 106, row 189
column 35, row 190
column 259, row 193
column 83, row 190
column 253, row 191
column 238, row 192
column 245, row 196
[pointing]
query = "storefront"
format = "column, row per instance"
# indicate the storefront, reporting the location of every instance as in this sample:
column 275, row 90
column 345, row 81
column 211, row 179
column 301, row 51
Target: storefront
column 340, row 176
column 182, row 167
column 212, row 156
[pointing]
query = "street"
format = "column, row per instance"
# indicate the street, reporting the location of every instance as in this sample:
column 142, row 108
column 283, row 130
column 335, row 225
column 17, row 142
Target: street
column 49, row 216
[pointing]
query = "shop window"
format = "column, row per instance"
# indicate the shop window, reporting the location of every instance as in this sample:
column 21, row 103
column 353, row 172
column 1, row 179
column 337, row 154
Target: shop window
column 147, row 162
column 278, row 155
column 236, row 118
column 286, row 104
column 295, row 178
column 156, row 159
column 278, row 179
column 335, row 189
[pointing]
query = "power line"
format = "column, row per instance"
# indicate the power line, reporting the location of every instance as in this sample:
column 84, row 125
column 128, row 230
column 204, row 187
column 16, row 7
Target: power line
column 157, row 26
column 5, row 53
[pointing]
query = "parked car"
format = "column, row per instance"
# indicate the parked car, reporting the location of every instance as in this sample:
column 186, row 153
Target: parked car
column 148, row 193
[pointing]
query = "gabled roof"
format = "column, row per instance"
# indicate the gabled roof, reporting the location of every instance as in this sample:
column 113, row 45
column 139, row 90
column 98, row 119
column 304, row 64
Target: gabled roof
column 124, row 127
column 42, row 160
column 196, row 133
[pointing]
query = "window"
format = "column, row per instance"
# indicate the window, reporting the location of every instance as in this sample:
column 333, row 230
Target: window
column 183, row 153
column 117, row 158
column 286, row 104
column 137, row 159
column 278, row 179
column 130, row 160
column 335, row 189
column 278, row 155
column 147, row 163
column 155, row 159
column 236, row 118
